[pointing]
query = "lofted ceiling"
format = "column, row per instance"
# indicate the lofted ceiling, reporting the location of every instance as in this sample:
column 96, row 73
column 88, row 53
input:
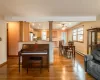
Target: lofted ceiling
column 48, row 8
column 56, row 25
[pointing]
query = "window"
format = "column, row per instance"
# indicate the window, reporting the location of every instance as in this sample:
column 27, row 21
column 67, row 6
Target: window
column 44, row 35
column 75, row 34
column 78, row 34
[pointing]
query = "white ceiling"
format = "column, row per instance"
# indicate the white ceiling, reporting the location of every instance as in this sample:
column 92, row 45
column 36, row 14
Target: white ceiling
column 56, row 25
column 48, row 8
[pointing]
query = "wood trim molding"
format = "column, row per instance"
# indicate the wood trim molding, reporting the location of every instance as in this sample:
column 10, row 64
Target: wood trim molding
column 12, row 55
column 80, row 53
column 3, row 64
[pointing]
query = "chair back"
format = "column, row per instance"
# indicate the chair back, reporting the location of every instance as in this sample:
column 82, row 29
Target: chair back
column 61, row 43
column 71, row 43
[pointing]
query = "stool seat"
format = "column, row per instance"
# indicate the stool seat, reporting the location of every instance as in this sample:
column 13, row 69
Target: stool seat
column 32, row 59
column 35, row 58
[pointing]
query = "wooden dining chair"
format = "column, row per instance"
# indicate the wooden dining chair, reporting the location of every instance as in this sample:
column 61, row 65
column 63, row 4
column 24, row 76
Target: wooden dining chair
column 69, row 51
column 61, row 47
column 70, row 43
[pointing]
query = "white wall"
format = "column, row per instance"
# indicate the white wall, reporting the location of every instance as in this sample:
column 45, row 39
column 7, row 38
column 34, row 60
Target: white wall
column 3, row 43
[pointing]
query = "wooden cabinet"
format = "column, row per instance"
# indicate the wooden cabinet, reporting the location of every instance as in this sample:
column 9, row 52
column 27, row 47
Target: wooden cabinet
column 93, row 38
column 54, row 34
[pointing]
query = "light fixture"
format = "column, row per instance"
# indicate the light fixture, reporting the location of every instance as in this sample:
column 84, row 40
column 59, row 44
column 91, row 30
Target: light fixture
column 33, row 24
column 63, row 27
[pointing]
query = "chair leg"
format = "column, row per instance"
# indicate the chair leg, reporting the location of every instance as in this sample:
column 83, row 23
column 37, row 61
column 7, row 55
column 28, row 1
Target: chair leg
column 60, row 52
column 27, row 68
column 40, row 65
column 72, row 55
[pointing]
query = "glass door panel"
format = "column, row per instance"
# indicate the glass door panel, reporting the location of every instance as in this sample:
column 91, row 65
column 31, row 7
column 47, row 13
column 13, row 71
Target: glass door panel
column 89, row 38
column 98, row 38
column 89, row 50
column 93, row 38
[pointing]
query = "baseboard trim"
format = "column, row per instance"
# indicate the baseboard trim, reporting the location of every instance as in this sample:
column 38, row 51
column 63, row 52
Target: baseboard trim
column 3, row 64
column 12, row 55
column 80, row 53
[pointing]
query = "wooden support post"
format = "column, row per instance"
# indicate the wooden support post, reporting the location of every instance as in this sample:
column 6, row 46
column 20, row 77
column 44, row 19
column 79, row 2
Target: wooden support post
column 24, row 31
column 21, row 31
column 50, row 30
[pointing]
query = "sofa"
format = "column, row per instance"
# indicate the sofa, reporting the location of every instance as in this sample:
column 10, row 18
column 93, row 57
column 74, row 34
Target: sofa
column 92, row 63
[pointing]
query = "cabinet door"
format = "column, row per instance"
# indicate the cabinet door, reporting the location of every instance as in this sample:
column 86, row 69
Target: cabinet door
column 54, row 34
column 98, row 38
column 93, row 38
column 92, row 41
column 90, row 38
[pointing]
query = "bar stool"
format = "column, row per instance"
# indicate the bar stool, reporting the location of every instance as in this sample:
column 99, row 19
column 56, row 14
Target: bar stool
column 32, row 60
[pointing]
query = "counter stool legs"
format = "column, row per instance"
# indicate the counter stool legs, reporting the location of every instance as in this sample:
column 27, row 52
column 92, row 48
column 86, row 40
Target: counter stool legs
column 29, row 64
column 41, row 65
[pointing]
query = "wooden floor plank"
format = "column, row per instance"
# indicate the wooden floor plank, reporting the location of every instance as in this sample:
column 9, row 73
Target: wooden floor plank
column 62, row 69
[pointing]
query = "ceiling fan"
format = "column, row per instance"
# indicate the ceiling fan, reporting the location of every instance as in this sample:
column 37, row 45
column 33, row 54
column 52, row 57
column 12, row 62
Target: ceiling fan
column 63, row 27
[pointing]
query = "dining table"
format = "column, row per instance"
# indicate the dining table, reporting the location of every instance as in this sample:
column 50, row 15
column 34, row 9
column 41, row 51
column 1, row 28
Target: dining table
column 67, row 47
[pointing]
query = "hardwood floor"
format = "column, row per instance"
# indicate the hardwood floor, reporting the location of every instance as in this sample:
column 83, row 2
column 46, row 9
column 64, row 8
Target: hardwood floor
column 62, row 69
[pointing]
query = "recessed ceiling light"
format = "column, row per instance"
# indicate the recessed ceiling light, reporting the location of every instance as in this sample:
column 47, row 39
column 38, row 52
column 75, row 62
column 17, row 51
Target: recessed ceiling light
column 33, row 24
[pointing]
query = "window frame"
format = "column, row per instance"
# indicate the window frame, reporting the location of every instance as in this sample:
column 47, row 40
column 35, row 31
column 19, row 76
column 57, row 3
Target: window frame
column 74, row 35
column 78, row 34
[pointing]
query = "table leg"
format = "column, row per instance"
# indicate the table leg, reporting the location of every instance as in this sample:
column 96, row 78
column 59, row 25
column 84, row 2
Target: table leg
column 74, row 53
column 19, row 63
